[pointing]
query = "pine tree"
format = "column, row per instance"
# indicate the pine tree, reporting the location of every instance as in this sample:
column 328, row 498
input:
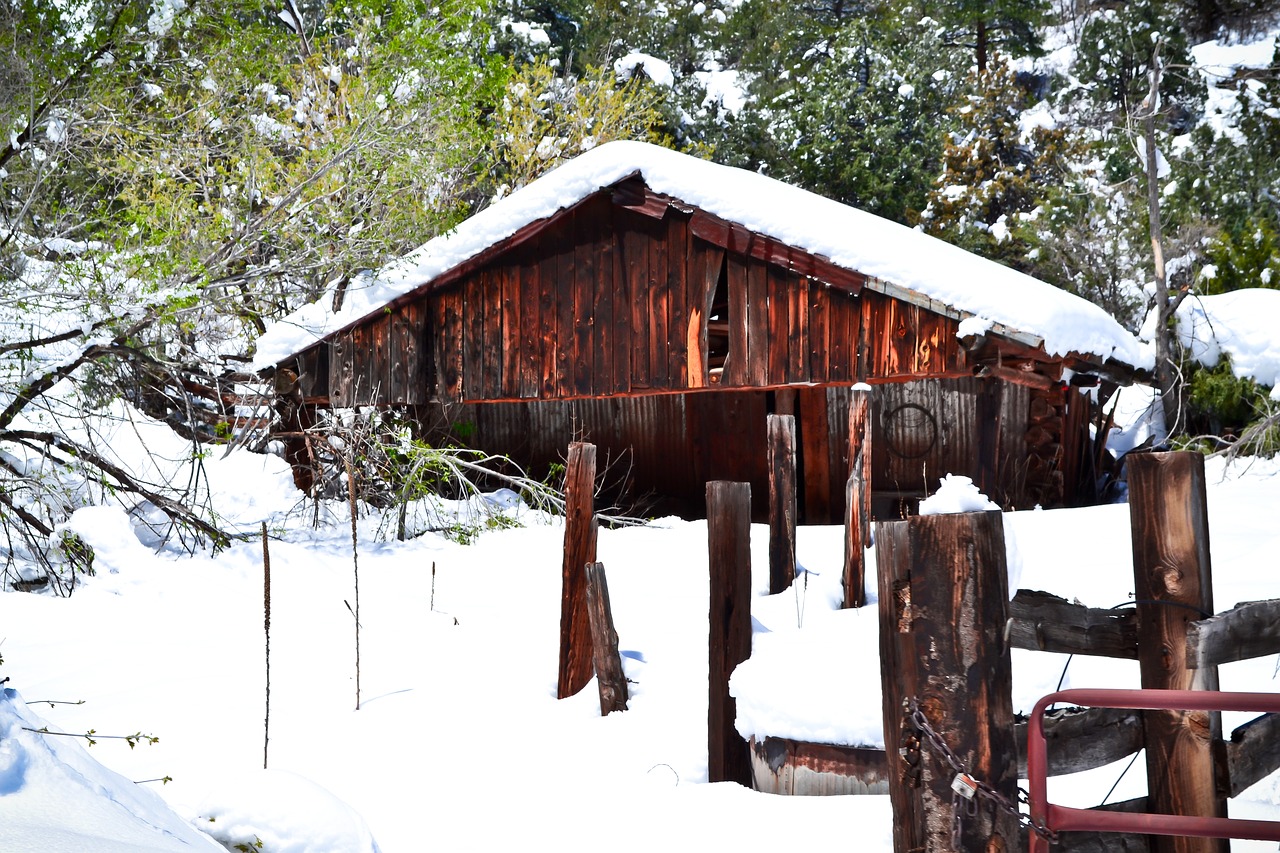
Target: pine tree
column 996, row 173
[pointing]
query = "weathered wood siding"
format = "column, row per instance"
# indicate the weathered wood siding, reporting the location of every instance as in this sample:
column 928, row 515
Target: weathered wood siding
column 671, row 445
column 608, row 301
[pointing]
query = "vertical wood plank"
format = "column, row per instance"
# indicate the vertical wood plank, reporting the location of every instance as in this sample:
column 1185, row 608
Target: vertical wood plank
column 380, row 360
column 360, row 358
column 943, row 588
column 478, row 312
column 530, row 323
column 778, row 285
column 798, row 329
column 566, row 283
column 757, row 323
column 729, row 643
column 782, row 502
column 857, row 499
column 735, row 369
column 501, row 367
column 815, row 438
column 678, row 262
column 819, row 343
column 579, row 549
column 512, row 340
column 659, row 304
column 842, row 326
column 340, row 371
column 449, row 334
column 635, row 250
column 548, row 317
column 621, row 330
column 611, row 680
column 584, row 287
column 416, row 346
column 603, row 327
column 703, row 279
column 1173, row 584
column 400, row 342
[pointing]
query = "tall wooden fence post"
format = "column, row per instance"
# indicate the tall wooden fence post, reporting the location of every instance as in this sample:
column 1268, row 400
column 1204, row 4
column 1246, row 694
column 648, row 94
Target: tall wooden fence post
column 782, row 502
column 579, row 549
column 1173, row 585
column 729, row 643
column 943, row 607
column 857, row 499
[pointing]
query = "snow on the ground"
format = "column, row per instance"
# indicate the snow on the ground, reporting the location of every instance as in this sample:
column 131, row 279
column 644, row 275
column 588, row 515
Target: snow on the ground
column 1239, row 324
column 459, row 743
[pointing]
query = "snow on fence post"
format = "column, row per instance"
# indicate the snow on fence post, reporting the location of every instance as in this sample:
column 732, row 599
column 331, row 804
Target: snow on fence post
column 857, row 498
column 729, row 643
column 579, row 549
column 782, row 502
column 612, row 682
column 943, row 607
column 1173, row 585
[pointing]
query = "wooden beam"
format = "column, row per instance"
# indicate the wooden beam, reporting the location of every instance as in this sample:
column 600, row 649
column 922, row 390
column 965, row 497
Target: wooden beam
column 1083, row 739
column 1253, row 753
column 579, row 549
column 1173, row 582
column 782, row 502
column 1248, row 630
column 729, row 641
column 610, row 678
column 943, row 606
column 1046, row 623
column 857, row 499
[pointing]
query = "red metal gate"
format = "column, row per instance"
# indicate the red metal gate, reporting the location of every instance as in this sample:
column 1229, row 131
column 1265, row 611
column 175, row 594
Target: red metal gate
column 1062, row 818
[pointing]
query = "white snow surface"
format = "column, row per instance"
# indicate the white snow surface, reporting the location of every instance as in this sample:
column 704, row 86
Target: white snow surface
column 54, row 796
column 851, row 238
column 459, row 743
column 1240, row 324
column 657, row 70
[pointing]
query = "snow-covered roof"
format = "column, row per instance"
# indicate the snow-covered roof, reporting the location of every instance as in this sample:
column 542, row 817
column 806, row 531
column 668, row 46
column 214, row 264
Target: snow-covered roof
column 898, row 257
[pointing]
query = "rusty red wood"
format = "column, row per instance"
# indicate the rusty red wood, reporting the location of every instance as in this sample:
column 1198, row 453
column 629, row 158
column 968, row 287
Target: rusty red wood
column 659, row 298
column 575, row 665
column 729, row 641
column 782, row 502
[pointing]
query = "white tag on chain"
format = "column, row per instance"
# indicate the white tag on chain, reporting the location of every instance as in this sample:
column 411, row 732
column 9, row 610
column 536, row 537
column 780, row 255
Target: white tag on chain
column 964, row 785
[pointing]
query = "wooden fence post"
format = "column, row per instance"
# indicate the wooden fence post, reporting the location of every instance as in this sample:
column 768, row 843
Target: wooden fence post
column 943, row 607
column 579, row 549
column 857, row 499
column 729, row 643
column 604, row 643
column 1173, row 586
column 782, row 502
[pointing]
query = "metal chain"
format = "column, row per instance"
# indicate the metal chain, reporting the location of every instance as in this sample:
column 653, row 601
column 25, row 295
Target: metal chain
column 981, row 788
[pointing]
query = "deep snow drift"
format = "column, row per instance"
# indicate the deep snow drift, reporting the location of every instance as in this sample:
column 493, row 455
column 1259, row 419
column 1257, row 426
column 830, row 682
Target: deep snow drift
column 460, row 743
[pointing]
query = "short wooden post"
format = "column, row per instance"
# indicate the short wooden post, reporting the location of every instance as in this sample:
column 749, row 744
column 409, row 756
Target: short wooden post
column 729, row 643
column 782, row 502
column 857, row 499
column 604, row 643
column 1173, row 585
column 943, row 606
column 579, row 549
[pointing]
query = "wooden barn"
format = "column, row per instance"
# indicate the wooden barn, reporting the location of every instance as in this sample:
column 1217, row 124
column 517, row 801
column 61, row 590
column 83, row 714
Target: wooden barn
column 661, row 306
